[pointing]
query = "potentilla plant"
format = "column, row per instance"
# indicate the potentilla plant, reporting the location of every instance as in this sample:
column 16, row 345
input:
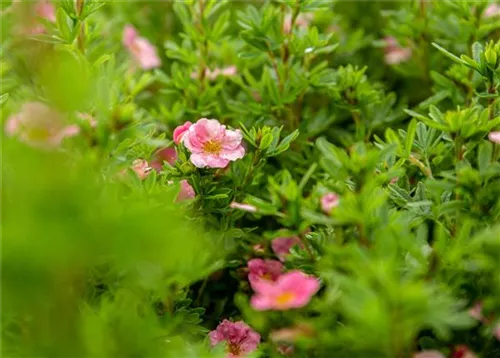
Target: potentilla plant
column 337, row 162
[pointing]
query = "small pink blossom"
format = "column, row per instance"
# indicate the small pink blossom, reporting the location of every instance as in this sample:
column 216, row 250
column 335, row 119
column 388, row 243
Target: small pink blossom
column 141, row 168
column 292, row 334
column 180, row 131
column 329, row 201
column 462, row 351
column 87, row 118
column 492, row 10
column 263, row 270
column 282, row 245
column 429, row 354
column 186, row 192
column 142, row 50
column 258, row 248
column 46, row 10
column 394, row 53
column 212, row 75
column 212, row 145
column 244, row 207
column 238, row 337
column 496, row 331
column 168, row 155
column 39, row 126
column 494, row 137
column 476, row 312
column 302, row 22
column 291, row 290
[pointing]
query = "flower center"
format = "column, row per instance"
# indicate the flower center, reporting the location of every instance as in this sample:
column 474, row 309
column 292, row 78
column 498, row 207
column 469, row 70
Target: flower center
column 212, row 147
column 234, row 349
column 285, row 298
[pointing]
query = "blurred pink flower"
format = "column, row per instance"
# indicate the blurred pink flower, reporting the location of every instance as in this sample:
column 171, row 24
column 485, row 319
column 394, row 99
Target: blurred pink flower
column 292, row 334
column 394, row 53
column 329, row 201
column 46, row 10
column 40, row 126
column 302, row 22
column 494, row 137
column 462, row 351
column 496, row 331
column 168, row 155
column 88, row 119
column 429, row 354
column 212, row 75
column 186, row 192
column 212, row 145
column 141, row 168
column 291, row 290
column 142, row 50
column 263, row 270
column 244, row 207
column 238, row 338
column 492, row 10
column 282, row 245
column 285, row 349
column 476, row 311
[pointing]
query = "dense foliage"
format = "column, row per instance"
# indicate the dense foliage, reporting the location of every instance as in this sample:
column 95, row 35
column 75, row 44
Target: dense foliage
column 207, row 178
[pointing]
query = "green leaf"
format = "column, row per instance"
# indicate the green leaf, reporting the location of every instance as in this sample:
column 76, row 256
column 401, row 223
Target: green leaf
column 410, row 136
column 3, row 99
column 285, row 143
column 449, row 54
column 484, row 155
column 266, row 141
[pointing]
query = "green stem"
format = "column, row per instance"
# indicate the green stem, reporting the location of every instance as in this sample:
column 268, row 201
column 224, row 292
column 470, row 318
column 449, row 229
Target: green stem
column 81, row 31
column 491, row 101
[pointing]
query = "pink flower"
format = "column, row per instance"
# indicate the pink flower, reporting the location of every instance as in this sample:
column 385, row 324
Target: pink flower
column 282, row 245
column 46, row 10
column 212, row 75
column 302, row 22
column 476, row 312
column 263, row 270
column 212, row 145
column 168, row 155
column 329, row 201
column 187, row 191
column 292, row 334
column 244, row 207
column 394, row 53
column 238, row 338
column 141, row 49
column 494, row 137
column 291, row 290
column 429, row 354
column 180, row 131
column 496, row 331
column 39, row 126
column 141, row 168
column 462, row 351
column 492, row 10
column 87, row 118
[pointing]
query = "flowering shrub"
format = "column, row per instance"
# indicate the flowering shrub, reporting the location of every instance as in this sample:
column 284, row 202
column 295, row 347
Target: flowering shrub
column 213, row 178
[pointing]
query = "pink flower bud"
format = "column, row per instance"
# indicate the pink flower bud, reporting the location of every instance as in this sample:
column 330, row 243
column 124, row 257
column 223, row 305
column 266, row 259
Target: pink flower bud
column 329, row 201
column 180, row 131
column 494, row 137
column 244, row 207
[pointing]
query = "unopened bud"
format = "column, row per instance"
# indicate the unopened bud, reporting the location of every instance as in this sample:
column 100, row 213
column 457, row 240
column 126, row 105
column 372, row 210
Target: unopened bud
column 491, row 57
